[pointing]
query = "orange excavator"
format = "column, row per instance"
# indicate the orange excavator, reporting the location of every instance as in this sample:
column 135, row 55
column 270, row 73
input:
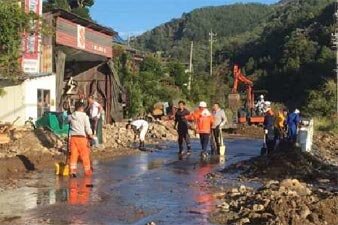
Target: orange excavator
column 246, row 114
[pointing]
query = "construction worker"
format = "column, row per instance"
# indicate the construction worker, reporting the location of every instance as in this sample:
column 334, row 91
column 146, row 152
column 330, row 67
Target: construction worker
column 95, row 110
column 140, row 128
column 269, row 128
column 181, row 124
column 280, row 125
column 203, row 120
column 260, row 105
column 79, row 132
column 220, row 120
column 293, row 121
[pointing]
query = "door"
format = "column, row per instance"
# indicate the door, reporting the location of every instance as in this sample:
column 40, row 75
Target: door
column 43, row 101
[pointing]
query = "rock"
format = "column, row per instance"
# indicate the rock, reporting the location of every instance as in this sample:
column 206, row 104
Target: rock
column 258, row 207
column 242, row 189
column 224, row 206
column 305, row 211
column 271, row 183
column 244, row 221
column 323, row 180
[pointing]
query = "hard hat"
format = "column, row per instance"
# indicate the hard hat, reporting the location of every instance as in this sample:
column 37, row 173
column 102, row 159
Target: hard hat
column 297, row 111
column 261, row 96
column 267, row 103
column 202, row 104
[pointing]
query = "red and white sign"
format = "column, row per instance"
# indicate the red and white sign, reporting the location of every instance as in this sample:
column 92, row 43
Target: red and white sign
column 81, row 37
column 30, row 41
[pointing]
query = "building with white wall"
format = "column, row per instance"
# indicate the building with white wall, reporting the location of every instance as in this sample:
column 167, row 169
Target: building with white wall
column 30, row 97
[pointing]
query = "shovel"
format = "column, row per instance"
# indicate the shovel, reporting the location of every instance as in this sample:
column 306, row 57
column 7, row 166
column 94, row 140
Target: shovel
column 222, row 146
column 264, row 149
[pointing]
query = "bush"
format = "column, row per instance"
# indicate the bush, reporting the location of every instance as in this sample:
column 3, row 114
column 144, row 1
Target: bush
column 326, row 124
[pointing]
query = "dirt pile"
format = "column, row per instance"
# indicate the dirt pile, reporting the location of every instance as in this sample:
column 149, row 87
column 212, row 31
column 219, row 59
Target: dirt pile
column 117, row 136
column 247, row 131
column 325, row 147
column 25, row 140
column 285, row 163
column 277, row 203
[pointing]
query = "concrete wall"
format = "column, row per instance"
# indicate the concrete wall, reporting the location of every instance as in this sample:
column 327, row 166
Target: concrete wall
column 21, row 100
column 12, row 104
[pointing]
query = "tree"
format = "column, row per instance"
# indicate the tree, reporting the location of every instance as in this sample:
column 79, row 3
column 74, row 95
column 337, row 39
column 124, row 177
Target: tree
column 13, row 22
column 79, row 7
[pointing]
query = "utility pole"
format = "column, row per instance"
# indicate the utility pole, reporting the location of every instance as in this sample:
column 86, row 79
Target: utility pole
column 335, row 43
column 190, row 65
column 212, row 40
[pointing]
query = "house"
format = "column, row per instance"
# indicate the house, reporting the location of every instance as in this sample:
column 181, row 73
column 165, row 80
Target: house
column 73, row 63
column 30, row 96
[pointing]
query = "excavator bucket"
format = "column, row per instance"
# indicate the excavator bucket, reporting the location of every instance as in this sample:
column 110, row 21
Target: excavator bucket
column 234, row 101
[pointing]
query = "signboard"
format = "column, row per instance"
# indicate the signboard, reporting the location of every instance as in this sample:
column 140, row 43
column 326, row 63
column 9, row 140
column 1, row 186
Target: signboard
column 30, row 41
column 81, row 37
column 76, row 36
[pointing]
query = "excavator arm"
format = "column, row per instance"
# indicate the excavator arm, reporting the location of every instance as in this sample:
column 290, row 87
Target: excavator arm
column 239, row 77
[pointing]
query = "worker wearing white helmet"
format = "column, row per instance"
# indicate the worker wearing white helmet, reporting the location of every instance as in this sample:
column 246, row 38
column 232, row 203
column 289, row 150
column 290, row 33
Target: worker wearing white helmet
column 260, row 105
column 203, row 120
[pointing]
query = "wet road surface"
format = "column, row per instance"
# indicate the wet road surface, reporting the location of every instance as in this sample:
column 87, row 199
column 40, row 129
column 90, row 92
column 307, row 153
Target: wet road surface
column 132, row 190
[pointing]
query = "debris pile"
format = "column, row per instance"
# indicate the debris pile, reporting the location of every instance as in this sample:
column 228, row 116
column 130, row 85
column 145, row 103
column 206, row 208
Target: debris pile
column 24, row 140
column 276, row 203
column 284, row 163
column 326, row 147
column 117, row 136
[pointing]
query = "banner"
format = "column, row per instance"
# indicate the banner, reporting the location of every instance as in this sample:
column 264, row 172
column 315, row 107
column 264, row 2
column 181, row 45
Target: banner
column 30, row 41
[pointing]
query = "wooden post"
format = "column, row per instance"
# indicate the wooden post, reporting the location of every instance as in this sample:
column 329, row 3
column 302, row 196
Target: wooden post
column 60, row 60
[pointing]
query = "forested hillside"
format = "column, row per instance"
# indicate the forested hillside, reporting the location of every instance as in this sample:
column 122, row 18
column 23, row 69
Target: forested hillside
column 285, row 48
column 173, row 38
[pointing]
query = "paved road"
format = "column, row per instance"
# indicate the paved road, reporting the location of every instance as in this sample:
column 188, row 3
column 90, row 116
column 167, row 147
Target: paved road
column 132, row 190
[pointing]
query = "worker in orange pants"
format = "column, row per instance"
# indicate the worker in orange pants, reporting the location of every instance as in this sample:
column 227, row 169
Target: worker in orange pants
column 79, row 131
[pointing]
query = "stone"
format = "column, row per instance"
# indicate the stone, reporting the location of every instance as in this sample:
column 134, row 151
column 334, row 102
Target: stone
column 244, row 221
column 242, row 189
column 258, row 207
column 304, row 212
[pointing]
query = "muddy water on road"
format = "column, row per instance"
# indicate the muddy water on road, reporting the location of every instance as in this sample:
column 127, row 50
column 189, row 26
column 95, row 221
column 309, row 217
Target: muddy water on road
column 132, row 190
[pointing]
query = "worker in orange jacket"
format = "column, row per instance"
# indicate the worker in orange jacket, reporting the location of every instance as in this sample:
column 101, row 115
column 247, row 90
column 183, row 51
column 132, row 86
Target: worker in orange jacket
column 79, row 131
column 203, row 120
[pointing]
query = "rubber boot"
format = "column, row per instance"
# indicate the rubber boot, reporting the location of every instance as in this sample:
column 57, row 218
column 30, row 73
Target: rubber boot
column 141, row 147
column 189, row 150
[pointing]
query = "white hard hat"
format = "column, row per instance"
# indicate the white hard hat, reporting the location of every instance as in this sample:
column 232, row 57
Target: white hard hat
column 297, row 111
column 261, row 96
column 203, row 104
column 267, row 103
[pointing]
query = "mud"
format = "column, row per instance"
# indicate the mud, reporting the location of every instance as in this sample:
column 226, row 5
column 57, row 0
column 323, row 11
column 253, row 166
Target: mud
column 136, row 189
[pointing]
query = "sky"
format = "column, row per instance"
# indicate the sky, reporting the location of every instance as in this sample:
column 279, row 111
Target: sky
column 133, row 17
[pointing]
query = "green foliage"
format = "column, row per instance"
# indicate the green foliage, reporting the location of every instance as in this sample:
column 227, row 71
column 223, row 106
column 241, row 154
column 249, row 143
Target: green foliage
column 326, row 124
column 284, row 48
column 146, row 87
column 13, row 22
column 177, row 71
column 79, row 7
column 322, row 102
column 151, row 64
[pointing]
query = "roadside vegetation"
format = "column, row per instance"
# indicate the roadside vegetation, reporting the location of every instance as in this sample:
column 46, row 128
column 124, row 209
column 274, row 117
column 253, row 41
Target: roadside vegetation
column 284, row 48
